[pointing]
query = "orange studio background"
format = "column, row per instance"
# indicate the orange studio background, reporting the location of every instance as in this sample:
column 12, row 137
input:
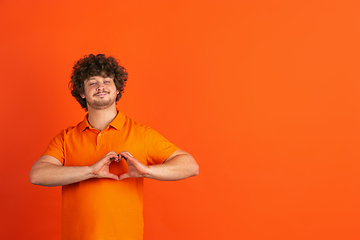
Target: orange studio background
column 264, row 94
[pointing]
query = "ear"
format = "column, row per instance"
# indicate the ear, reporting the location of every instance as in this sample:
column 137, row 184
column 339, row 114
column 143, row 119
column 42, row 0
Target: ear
column 82, row 95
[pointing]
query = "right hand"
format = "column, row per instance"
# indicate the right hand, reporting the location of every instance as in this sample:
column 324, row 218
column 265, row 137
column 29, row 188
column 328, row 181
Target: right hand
column 100, row 169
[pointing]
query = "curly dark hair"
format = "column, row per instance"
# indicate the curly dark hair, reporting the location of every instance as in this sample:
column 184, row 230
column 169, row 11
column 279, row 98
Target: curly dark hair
column 99, row 65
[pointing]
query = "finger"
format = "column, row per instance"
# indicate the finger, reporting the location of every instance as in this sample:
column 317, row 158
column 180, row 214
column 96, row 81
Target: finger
column 122, row 155
column 110, row 157
column 129, row 153
column 113, row 176
column 111, row 152
column 124, row 176
column 126, row 155
column 126, row 152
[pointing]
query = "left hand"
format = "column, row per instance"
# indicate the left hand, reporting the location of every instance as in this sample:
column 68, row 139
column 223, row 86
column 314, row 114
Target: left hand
column 136, row 168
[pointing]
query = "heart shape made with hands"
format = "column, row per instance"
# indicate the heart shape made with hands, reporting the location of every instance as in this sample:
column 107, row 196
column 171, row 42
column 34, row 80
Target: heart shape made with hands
column 118, row 167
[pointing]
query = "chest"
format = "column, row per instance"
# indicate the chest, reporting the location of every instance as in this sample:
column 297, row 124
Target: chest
column 90, row 146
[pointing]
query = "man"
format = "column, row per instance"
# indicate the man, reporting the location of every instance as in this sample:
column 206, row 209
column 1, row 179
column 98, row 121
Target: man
column 101, row 162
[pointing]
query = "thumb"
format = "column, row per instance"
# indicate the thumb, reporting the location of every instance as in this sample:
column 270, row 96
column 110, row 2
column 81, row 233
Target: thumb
column 113, row 176
column 124, row 176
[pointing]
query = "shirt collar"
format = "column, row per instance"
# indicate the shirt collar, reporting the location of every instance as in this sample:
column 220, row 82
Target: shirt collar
column 117, row 123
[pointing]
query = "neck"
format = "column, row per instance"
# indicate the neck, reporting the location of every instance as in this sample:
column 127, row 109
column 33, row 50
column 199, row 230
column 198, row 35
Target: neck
column 101, row 118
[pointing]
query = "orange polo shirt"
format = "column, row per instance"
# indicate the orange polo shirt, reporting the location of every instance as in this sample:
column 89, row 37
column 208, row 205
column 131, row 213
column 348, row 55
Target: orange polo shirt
column 98, row 209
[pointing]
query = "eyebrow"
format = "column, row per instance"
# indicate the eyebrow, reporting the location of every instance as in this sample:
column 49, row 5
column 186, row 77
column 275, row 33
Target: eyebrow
column 94, row 78
column 90, row 79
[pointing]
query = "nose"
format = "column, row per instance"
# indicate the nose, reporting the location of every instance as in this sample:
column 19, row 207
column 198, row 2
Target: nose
column 100, row 86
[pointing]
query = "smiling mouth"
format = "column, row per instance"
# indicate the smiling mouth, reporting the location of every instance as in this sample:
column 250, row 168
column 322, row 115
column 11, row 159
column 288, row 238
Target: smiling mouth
column 101, row 94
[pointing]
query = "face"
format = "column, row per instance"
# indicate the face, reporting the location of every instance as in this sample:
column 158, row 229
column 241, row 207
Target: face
column 100, row 92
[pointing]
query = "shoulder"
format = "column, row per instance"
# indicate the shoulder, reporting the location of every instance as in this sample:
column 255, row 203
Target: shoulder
column 144, row 131
column 135, row 125
column 141, row 131
column 70, row 131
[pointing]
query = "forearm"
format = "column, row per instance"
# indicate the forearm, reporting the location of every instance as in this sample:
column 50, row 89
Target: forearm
column 178, row 167
column 50, row 175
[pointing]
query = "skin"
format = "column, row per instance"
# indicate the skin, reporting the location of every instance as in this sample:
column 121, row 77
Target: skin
column 100, row 94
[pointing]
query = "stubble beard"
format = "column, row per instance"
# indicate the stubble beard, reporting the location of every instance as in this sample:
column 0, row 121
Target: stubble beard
column 100, row 104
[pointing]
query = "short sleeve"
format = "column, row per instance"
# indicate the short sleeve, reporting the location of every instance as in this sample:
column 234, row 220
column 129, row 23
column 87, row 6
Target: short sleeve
column 56, row 147
column 158, row 147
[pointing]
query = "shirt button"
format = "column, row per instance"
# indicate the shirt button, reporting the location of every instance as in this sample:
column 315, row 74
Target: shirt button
column 99, row 134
